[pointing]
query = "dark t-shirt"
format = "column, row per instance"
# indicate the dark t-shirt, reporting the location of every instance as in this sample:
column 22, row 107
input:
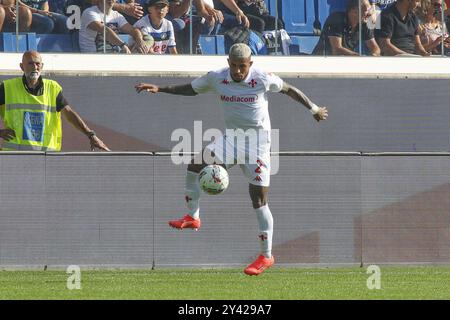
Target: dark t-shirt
column 401, row 32
column 61, row 101
column 337, row 25
column 36, row 4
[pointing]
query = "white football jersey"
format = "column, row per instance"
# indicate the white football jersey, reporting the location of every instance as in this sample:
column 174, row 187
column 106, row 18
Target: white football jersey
column 164, row 36
column 90, row 40
column 244, row 103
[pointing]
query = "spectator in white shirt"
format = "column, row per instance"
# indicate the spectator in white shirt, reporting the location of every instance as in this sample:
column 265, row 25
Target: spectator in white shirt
column 92, row 30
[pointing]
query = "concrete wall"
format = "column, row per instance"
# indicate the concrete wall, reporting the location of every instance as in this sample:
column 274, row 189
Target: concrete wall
column 112, row 210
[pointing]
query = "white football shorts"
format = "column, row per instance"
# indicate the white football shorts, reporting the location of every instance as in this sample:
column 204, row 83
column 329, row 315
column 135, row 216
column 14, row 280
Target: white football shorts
column 252, row 155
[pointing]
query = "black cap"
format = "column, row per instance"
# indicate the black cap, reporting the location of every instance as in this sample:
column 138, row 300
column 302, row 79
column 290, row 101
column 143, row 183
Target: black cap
column 150, row 3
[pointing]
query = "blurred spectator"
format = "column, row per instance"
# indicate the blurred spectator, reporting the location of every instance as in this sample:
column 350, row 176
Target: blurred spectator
column 376, row 7
column 131, row 10
column 340, row 34
column 179, row 10
column 399, row 33
column 91, row 32
column 8, row 17
column 155, row 25
column 212, row 19
column 446, row 6
column 382, row 4
column 44, row 21
column 233, row 16
column 258, row 14
column 2, row 17
column 431, row 29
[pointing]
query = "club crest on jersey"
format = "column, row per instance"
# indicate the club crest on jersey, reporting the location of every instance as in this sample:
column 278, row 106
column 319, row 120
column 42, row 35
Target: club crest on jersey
column 253, row 83
column 225, row 81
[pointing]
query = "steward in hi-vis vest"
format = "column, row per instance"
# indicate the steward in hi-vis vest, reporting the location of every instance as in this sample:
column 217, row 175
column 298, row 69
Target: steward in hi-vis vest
column 35, row 119
column 31, row 108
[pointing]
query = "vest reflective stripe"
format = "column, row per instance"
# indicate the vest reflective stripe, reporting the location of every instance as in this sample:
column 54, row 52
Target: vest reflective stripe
column 40, row 107
column 34, row 119
column 7, row 146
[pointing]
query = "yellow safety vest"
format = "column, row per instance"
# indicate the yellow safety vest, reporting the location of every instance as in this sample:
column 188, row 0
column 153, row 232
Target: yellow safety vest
column 34, row 119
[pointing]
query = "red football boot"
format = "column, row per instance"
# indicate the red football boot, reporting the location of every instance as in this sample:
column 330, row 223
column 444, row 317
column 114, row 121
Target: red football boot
column 259, row 265
column 187, row 222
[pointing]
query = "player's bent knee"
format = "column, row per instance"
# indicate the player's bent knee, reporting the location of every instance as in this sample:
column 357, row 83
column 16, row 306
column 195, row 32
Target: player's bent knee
column 259, row 201
column 259, row 204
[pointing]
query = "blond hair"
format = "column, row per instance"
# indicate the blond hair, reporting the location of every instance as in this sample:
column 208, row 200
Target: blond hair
column 240, row 51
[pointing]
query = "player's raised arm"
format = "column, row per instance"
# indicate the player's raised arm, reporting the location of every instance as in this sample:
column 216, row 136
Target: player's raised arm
column 184, row 89
column 319, row 113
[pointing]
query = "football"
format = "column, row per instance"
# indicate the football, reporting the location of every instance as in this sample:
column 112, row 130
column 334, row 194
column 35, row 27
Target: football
column 213, row 179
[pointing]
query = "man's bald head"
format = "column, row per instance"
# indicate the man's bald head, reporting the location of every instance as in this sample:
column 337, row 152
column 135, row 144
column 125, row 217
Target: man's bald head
column 31, row 66
column 31, row 55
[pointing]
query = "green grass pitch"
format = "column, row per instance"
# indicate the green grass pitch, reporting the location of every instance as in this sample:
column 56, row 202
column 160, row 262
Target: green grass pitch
column 427, row 282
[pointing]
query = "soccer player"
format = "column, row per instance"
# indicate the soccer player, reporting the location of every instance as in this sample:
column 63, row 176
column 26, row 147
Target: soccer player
column 242, row 90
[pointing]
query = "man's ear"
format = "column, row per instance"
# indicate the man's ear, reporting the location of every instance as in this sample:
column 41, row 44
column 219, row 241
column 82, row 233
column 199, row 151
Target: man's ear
column 251, row 63
column 21, row 66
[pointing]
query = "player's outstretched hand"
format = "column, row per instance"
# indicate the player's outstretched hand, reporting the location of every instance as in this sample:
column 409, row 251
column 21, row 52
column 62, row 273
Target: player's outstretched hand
column 322, row 114
column 147, row 87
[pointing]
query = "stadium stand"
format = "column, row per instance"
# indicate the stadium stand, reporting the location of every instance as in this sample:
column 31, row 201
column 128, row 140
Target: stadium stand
column 303, row 19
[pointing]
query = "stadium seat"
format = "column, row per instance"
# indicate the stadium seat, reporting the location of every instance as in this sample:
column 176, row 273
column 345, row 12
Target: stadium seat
column 212, row 44
column 220, row 44
column 302, row 17
column 302, row 45
column 26, row 41
column 272, row 6
column 54, row 43
column 208, row 44
column 299, row 16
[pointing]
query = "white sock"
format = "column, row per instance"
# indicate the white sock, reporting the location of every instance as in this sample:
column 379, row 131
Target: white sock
column 192, row 194
column 265, row 221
